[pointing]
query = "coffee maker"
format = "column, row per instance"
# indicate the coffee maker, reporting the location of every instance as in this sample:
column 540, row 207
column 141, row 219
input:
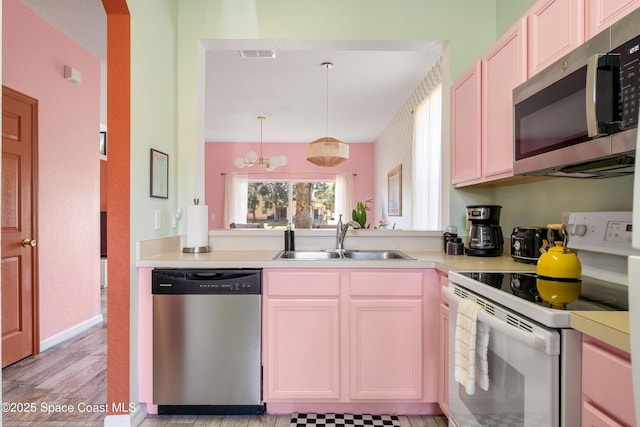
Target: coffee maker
column 485, row 234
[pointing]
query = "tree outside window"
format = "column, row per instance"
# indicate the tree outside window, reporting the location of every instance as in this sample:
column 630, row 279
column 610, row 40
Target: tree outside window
column 306, row 204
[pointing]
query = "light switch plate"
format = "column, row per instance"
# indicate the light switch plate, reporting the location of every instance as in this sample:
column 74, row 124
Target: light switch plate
column 158, row 219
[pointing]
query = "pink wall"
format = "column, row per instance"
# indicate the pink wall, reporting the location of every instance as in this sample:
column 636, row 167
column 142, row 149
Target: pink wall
column 34, row 55
column 219, row 159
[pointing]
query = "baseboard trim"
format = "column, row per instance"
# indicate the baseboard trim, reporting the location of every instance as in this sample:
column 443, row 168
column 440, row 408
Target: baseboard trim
column 71, row 332
column 126, row 420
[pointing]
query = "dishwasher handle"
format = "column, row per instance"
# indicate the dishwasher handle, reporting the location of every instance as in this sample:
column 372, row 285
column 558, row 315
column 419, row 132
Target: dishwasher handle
column 200, row 281
column 214, row 275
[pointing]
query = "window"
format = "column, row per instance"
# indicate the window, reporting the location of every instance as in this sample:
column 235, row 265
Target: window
column 306, row 204
column 427, row 163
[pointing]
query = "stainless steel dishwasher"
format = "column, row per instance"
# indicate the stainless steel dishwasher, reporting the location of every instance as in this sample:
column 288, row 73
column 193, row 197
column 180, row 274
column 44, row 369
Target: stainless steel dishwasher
column 206, row 341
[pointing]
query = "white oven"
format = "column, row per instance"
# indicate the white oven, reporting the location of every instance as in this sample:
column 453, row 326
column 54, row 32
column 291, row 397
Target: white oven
column 534, row 357
column 524, row 370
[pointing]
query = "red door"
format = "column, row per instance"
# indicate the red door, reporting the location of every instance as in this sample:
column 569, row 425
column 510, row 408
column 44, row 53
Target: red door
column 19, row 139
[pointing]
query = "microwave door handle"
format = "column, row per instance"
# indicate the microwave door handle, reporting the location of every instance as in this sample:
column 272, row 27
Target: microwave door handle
column 591, row 94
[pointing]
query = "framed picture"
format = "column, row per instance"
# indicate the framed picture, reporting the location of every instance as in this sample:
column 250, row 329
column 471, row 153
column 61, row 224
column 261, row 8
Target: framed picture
column 394, row 183
column 103, row 144
column 159, row 174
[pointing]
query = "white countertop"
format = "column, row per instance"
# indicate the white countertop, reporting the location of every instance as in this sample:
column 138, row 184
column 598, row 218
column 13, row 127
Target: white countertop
column 264, row 259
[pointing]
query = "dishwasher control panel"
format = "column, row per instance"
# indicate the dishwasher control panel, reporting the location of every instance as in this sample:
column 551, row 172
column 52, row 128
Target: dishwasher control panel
column 166, row 281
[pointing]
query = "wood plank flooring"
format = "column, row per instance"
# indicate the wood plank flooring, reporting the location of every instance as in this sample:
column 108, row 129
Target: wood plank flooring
column 75, row 372
column 264, row 421
column 72, row 373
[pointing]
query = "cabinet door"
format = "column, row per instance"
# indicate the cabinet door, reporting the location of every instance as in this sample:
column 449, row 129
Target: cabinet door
column 443, row 379
column 386, row 349
column 503, row 68
column 555, row 28
column 302, row 349
column 466, row 127
column 603, row 13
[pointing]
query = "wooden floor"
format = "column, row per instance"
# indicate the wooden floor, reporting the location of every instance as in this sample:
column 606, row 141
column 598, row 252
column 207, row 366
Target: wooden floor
column 264, row 421
column 74, row 373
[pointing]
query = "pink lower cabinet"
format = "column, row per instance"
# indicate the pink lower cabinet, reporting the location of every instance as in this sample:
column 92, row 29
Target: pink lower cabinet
column 607, row 391
column 301, row 335
column 443, row 377
column 351, row 340
column 385, row 316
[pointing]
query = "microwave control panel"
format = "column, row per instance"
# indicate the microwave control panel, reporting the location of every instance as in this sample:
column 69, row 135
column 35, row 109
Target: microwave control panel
column 629, row 83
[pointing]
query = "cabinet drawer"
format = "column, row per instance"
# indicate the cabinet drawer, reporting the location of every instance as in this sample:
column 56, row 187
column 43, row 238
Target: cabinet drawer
column 385, row 283
column 302, row 283
column 593, row 417
column 602, row 372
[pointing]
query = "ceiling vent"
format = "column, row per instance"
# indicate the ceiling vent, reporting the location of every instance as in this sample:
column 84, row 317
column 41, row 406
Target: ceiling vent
column 261, row 53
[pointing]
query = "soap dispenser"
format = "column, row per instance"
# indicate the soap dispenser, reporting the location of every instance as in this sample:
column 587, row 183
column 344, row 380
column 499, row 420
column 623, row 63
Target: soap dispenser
column 289, row 239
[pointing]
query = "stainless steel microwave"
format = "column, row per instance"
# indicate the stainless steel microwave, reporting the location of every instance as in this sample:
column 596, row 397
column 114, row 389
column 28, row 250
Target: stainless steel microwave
column 579, row 117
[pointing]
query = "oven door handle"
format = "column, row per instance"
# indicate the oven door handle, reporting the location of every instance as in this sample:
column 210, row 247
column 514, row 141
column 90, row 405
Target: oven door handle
column 530, row 339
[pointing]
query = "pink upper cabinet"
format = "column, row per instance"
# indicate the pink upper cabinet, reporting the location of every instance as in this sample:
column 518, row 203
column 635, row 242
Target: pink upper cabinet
column 466, row 126
column 555, row 28
column 503, row 68
column 603, row 13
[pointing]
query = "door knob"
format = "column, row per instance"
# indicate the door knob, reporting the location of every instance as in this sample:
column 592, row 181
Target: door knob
column 29, row 243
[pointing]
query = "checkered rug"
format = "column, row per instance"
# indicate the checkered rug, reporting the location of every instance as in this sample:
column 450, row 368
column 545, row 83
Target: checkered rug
column 343, row 420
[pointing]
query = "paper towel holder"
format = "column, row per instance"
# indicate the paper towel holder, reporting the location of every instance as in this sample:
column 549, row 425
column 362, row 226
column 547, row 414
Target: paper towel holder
column 196, row 249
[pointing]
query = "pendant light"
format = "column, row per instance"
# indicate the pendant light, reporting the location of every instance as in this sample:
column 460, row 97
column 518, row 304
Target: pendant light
column 252, row 157
column 327, row 151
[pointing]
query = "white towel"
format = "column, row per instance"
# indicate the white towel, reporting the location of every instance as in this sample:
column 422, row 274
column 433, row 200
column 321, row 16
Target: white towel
column 471, row 344
column 482, row 363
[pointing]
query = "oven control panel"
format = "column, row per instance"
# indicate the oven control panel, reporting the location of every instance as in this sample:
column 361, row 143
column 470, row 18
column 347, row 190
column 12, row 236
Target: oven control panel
column 608, row 232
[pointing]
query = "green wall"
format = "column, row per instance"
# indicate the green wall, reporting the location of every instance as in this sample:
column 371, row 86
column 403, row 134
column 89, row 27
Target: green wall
column 168, row 39
column 508, row 12
column 153, row 125
column 469, row 26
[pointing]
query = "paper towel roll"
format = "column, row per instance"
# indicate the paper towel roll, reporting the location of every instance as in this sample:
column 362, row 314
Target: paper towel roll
column 197, row 226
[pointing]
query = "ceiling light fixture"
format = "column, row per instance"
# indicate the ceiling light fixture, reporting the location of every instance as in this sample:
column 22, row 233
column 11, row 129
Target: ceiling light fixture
column 327, row 151
column 252, row 157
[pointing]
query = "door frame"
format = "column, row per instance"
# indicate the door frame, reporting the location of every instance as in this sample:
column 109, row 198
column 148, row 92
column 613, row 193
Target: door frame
column 35, row 302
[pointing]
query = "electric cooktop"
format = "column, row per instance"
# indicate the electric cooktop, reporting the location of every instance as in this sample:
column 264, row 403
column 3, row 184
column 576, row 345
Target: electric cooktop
column 594, row 294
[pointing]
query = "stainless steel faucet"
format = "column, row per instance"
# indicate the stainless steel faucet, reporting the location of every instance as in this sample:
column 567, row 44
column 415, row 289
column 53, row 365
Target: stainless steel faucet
column 341, row 232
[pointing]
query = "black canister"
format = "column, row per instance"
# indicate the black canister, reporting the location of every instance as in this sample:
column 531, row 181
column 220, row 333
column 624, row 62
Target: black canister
column 455, row 246
column 289, row 239
column 450, row 233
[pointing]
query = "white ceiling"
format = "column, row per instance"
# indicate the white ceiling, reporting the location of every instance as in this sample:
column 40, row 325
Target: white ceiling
column 368, row 84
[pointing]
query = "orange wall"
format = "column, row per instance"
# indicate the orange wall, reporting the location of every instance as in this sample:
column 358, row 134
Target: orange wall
column 118, row 190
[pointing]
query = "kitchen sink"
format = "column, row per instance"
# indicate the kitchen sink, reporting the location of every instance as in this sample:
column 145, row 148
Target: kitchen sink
column 376, row 255
column 307, row 255
column 348, row 254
